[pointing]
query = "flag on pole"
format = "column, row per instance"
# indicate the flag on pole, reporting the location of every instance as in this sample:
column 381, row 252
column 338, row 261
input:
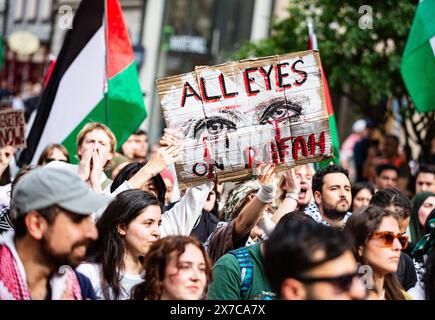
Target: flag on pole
column 312, row 45
column 94, row 79
column 50, row 68
column 418, row 61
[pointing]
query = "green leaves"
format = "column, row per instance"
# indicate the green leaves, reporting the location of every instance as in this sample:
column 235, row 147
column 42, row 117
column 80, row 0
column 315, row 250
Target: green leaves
column 365, row 60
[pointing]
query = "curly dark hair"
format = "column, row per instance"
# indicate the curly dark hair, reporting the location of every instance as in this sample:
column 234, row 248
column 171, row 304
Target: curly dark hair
column 157, row 260
column 392, row 197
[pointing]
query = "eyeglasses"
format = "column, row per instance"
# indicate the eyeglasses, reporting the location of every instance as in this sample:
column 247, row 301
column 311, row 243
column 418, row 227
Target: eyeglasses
column 342, row 282
column 388, row 238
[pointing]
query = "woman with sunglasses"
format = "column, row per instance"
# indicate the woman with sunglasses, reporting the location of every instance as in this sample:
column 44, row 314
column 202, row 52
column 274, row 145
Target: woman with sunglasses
column 378, row 244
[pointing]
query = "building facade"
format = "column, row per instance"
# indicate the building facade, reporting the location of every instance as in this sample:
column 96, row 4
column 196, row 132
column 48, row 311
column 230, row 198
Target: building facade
column 168, row 36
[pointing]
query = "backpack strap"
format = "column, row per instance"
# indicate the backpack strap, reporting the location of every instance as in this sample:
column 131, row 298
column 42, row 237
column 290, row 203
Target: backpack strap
column 244, row 259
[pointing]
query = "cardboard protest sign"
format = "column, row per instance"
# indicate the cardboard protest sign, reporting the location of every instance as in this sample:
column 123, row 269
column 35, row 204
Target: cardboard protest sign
column 12, row 128
column 235, row 115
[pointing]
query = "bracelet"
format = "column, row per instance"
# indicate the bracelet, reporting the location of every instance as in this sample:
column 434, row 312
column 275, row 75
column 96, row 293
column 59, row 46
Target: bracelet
column 292, row 195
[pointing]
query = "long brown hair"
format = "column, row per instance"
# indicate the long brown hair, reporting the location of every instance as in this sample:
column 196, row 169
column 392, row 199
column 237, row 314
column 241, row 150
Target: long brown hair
column 156, row 262
column 109, row 250
column 361, row 227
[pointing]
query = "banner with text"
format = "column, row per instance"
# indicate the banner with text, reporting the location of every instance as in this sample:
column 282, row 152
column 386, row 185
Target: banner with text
column 12, row 128
column 237, row 114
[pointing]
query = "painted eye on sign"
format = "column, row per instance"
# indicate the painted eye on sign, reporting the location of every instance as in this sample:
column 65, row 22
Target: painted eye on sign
column 235, row 115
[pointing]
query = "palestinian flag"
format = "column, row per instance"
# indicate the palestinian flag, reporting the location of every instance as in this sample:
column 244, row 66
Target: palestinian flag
column 312, row 45
column 418, row 61
column 94, row 79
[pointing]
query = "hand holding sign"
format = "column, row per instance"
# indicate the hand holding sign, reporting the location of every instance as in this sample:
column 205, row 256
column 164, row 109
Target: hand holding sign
column 235, row 115
column 170, row 138
column 162, row 158
column 266, row 174
column 167, row 154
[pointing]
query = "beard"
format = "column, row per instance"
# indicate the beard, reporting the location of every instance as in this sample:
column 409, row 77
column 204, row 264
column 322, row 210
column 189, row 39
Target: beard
column 56, row 260
column 334, row 213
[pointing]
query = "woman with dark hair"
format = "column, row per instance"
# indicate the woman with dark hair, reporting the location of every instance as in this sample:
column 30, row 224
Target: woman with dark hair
column 127, row 229
column 421, row 206
column 362, row 192
column 176, row 268
column 377, row 242
column 182, row 217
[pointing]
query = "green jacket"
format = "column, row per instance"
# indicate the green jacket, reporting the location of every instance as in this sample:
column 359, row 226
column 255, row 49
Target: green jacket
column 226, row 284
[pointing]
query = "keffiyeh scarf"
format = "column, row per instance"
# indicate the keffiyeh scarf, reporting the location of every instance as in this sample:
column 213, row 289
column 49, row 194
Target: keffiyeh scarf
column 13, row 285
column 313, row 211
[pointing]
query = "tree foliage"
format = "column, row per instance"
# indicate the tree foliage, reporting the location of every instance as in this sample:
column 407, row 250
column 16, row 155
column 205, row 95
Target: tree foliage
column 361, row 63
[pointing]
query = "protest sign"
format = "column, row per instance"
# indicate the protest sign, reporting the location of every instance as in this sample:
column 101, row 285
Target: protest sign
column 12, row 128
column 235, row 115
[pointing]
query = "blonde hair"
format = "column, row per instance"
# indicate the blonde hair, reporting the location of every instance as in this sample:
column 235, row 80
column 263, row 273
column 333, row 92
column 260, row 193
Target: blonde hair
column 280, row 196
column 97, row 126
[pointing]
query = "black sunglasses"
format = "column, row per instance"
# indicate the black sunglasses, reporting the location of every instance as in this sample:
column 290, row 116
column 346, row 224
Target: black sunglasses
column 343, row 282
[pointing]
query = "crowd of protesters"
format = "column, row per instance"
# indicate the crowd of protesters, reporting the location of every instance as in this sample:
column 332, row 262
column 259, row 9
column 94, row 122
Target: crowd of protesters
column 115, row 226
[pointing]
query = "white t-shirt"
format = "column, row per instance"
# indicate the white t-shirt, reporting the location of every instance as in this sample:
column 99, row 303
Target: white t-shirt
column 93, row 272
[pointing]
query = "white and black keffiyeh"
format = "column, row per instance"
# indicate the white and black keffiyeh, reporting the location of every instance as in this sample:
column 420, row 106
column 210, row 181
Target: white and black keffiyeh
column 5, row 221
column 419, row 265
column 313, row 211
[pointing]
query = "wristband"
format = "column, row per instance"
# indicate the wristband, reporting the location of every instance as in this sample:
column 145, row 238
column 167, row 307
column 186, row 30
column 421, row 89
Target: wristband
column 267, row 193
column 292, row 195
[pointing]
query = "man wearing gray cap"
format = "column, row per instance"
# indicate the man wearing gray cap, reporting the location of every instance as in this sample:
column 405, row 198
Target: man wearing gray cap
column 51, row 210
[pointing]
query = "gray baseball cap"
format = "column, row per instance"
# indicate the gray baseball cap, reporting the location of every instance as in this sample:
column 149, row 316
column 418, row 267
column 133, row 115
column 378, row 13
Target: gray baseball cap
column 45, row 187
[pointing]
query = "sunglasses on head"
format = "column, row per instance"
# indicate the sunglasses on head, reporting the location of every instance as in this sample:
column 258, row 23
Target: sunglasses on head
column 388, row 238
column 342, row 282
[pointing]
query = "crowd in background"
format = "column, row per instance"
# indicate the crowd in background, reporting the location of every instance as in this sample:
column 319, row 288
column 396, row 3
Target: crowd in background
column 116, row 226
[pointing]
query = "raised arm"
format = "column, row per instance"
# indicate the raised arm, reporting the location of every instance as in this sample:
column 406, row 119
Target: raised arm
column 181, row 218
column 252, row 212
column 168, row 153
column 290, row 202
